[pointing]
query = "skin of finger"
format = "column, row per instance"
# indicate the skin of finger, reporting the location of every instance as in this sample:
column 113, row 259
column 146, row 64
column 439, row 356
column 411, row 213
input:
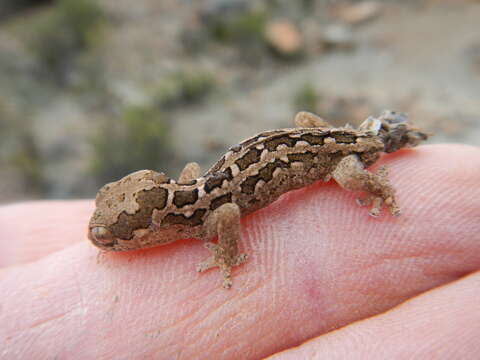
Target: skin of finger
column 443, row 323
column 29, row 231
column 317, row 262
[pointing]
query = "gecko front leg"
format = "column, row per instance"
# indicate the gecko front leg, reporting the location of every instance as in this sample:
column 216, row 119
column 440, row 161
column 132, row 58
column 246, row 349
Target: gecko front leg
column 306, row 119
column 224, row 221
column 351, row 175
column 190, row 172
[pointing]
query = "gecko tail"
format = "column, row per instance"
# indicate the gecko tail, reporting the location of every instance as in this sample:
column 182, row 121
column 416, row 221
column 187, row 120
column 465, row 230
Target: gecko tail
column 397, row 132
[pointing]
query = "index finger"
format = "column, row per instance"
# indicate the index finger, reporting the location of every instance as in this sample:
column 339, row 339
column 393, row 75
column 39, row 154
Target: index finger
column 318, row 262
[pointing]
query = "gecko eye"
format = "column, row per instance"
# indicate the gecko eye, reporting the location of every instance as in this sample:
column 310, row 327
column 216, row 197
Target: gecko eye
column 101, row 234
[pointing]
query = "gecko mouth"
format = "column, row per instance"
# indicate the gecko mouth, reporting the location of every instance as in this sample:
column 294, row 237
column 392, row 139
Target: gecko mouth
column 101, row 235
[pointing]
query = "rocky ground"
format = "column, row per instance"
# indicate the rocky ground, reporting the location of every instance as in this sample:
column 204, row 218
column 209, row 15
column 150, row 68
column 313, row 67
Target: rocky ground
column 202, row 75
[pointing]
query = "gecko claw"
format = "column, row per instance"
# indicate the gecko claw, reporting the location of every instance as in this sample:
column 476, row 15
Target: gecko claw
column 374, row 213
column 364, row 201
column 227, row 283
column 241, row 259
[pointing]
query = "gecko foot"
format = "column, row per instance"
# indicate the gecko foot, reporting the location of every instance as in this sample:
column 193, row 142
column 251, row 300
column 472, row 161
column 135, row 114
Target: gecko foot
column 392, row 206
column 388, row 196
column 221, row 259
column 306, row 119
column 190, row 172
column 224, row 222
column 377, row 204
column 351, row 175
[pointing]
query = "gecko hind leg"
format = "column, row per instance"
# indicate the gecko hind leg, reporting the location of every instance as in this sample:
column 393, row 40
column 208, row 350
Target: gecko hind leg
column 226, row 222
column 190, row 172
column 351, row 175
column 306, row 119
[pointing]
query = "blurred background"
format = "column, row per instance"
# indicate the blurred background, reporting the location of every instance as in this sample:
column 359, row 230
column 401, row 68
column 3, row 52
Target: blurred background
column 91, row 90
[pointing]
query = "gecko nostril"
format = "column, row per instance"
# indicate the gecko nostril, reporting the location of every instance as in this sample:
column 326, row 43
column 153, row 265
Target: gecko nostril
column 101, row 234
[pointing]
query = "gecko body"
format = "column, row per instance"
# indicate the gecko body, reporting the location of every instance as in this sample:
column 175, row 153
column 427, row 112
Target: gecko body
column 148, row 208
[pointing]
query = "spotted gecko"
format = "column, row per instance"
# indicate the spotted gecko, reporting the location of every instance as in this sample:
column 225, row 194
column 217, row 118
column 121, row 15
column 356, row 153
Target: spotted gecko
column 147, row 208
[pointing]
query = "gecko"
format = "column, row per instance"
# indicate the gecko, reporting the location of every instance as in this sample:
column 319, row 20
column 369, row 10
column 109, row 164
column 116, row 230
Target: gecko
column 148, row 208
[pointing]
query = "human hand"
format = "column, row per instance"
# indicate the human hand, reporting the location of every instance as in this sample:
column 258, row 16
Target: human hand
column 317, row 262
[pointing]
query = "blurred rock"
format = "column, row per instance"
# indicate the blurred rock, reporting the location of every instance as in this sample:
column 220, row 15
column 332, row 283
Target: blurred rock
column 284, row 37
column 338, row 36
column 360, row 12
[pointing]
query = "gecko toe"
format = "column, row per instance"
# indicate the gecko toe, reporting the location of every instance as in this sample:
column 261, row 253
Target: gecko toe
column 227, row 283
column 207, row 264
column 395, row 211
column 375, row 213
column 364, row 201
column 240, row 259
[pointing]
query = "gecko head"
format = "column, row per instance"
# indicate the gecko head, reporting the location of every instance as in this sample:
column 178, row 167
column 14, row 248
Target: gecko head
column 124, row 207
column 396, row 132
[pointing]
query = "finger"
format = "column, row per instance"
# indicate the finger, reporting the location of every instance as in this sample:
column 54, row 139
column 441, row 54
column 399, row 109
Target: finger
column 318, row 262
column 443, row 322
column 31, row 230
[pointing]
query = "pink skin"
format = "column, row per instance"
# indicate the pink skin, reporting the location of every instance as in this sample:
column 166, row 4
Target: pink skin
column 317, row 263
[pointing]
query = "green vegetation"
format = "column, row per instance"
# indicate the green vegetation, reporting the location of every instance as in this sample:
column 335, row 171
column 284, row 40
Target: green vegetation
column 306, row 98
column 8, row 7
column 246, row 30
column 27, row 160
column 183, row 88
column 307, row 5
column 138, row 140
column 243, row 28
column 73, row 27
column 240, row 29
column 20, row 152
